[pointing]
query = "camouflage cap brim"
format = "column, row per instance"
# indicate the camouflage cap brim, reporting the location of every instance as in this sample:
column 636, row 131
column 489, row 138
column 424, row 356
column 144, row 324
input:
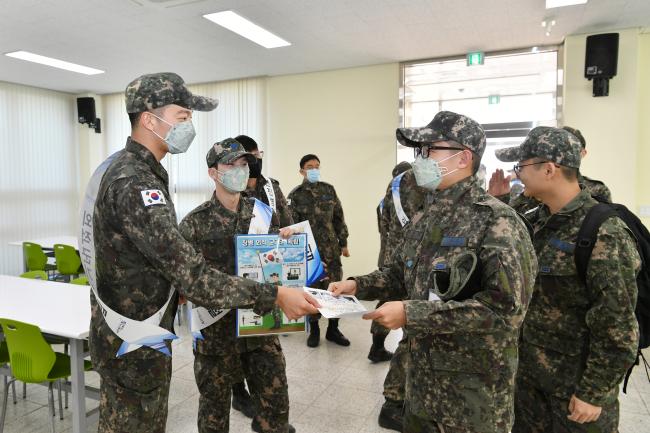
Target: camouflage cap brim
column 201, row 103
column 415, row 137
column 510, row 154
column 231, row 157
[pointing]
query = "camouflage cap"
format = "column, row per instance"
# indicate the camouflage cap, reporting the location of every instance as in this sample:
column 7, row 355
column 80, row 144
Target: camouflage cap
column 226, row 152
column 578, row 135
column 552, row 144
column 164, row 88
column 446, row 126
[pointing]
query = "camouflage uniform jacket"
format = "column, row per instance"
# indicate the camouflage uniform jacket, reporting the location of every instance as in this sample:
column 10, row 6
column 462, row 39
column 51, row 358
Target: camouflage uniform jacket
column 390, row 229
column 463, row 350
column 318, row 203
column 579, row 339
column 282, row 209
column 140, row 254
column 596, row 188
column 211, row 229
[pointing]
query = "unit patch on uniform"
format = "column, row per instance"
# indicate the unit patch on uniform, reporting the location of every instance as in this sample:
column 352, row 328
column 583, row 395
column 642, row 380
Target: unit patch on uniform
column 153, row 196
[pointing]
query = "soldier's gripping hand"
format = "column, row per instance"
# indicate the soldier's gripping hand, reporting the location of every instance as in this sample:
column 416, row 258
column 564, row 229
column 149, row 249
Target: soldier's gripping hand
column 391, row 315
column 499, row 184
column 582, row 412
column 296, row 303
column 347, row 287
column 287, row 232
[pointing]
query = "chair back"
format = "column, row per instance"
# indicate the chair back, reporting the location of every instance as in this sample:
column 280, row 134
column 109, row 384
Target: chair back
column 35, row 258
column 67, row 259
column 30, row 356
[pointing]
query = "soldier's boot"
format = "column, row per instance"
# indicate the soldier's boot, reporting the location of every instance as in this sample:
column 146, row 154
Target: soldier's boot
column 378, row 352
column 391, row 416
column 334, row 335
column 314, row 333
column 241, row 400
column 258, row 428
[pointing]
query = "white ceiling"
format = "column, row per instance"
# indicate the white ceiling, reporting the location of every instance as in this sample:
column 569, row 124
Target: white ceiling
column 127, row 38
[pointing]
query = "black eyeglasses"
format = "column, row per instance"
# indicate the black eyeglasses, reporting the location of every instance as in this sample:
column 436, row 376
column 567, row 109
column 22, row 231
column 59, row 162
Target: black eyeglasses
column 517, row 168
column 424, row 150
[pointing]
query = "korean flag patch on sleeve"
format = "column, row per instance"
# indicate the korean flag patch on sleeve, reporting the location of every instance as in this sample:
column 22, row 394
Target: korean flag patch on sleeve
column 152, row 197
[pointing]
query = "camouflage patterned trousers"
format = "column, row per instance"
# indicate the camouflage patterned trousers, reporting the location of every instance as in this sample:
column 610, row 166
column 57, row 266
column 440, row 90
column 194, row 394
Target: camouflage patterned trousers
column 537, row 412
column 265, row 371
column 395, row 382
column 133, row 394
column 415, row 424
column 214, row 377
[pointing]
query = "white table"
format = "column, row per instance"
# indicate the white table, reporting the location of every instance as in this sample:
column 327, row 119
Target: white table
column 48, row 242
column 59, row 309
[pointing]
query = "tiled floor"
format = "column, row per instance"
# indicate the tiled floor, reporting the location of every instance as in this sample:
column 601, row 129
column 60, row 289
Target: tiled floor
column 332, row 389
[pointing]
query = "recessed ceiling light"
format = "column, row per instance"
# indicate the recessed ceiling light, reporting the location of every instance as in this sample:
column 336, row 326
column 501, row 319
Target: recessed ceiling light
column 561, row 3
column 55, row 63
column 243, row 27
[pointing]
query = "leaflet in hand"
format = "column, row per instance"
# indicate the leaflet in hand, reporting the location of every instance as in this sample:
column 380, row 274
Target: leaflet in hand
column 333, row 307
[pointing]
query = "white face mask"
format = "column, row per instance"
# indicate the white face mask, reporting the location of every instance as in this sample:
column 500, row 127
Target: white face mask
column 235, row 179
column 428, row 173
column 179, row 137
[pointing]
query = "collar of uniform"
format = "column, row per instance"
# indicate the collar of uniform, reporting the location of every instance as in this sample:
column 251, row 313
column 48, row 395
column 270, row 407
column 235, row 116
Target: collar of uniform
column 145, row 155
column 456, row 191
column 576, row 203
column 216, row 203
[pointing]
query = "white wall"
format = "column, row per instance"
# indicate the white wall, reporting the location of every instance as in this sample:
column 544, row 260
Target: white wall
column 348, row 118
column 609, row 124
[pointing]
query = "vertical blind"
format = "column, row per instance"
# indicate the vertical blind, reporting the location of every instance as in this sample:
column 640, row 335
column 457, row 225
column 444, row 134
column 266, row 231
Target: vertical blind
column 38, row 170
column 241, row 110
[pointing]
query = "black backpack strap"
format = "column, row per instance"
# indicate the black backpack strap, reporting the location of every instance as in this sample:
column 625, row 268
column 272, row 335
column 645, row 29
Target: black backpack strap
column 587, row 236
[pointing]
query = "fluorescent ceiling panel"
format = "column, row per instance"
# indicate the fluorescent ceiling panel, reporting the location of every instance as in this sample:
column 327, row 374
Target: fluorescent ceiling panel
column 561, row 3
column 240, row 25
column 55, row 63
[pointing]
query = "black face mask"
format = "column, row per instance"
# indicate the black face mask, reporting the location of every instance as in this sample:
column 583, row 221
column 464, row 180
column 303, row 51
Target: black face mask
column 255, row 169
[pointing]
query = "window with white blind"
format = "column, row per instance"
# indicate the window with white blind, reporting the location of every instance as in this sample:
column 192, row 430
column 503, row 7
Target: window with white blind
column 241, row 110
column 38, row 170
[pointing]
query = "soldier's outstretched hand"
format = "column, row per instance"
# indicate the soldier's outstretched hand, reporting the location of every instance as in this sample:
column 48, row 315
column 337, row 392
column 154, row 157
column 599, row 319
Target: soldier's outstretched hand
column 390, row 315
column 296, row 303
column 347, row 287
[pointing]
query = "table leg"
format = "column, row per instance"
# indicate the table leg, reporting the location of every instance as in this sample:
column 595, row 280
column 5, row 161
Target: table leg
column 78, row 386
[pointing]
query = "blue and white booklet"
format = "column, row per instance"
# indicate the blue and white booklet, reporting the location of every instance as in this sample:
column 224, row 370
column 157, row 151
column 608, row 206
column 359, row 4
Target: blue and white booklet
column 270, row 259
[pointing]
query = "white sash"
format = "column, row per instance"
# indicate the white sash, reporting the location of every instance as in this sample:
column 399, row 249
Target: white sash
column 201, row 317
column 270, row 193
column 134, row 333
column 397, row 202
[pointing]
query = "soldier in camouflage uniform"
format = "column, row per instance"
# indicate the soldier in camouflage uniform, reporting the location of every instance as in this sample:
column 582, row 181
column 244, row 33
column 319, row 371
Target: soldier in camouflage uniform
column 211, row 228
column 140, row 254
column 578, row 339
column 524, row 202
column 257, row 188
column 412, row 199
column 466, row 269
column 317, row 202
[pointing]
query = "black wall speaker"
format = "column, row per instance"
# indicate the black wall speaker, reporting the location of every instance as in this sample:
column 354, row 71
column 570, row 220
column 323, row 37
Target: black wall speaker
column 602, row 55
column 601, row 61
column 86, row 110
